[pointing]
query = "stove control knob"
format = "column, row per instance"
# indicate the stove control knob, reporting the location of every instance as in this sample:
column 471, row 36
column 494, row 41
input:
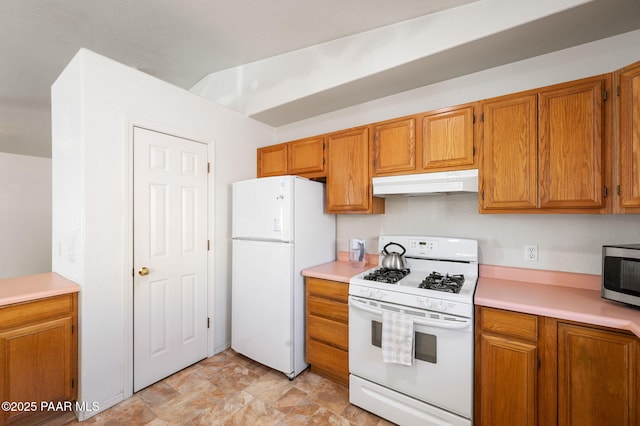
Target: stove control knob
column 442, row 305
column 366, row 292
column 379, row 294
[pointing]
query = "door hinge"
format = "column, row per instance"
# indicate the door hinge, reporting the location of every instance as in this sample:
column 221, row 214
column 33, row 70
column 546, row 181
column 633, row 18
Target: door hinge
column 208, row 245
column 473, row 150
column 474, row 118
column 208, row 322
column 605, row 191
column 482, row 195
column 482, row 117
column 133, row 272
column 538, row 363
column 618, row 91
column 617, row 189
column 604, row 95
column 208, row 167
column 73, row 328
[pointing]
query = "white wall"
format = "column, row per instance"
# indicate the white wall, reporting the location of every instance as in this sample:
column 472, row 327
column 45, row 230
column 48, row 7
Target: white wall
column 25, row 215
column 95, row 103
column 566, row 242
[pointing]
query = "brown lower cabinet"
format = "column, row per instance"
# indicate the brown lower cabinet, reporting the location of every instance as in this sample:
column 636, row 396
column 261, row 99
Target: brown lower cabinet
column 38, row 358
column 535, row 370
column 327, row 324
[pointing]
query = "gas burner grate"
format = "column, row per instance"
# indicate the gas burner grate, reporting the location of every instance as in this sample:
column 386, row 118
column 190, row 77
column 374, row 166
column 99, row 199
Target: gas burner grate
column 385, row 275
column 446, row 283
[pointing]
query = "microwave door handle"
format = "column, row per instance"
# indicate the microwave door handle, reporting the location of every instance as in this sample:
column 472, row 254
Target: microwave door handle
column 432, row 323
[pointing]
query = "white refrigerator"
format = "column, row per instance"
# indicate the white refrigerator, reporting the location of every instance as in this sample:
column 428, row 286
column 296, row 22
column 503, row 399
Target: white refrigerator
column 279, row 228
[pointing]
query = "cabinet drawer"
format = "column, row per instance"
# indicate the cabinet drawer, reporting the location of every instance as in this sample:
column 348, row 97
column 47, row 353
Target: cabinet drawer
column 24, row 313
column 329, row 361
column 327, row 331
column 510, row 323
column 329, row 289
column 328, row 308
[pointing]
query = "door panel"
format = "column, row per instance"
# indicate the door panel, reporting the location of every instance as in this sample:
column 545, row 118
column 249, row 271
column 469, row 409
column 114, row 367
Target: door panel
column 629, row 164
column 509, row 169
column 447, row 139
column 348, row 178
column 597, row 377
column 262, row 302
column 263, row 209
column 571, row 145
column 170, row 240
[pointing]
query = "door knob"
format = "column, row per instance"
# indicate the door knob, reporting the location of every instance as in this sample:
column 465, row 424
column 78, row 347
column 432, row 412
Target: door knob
column 143, row 271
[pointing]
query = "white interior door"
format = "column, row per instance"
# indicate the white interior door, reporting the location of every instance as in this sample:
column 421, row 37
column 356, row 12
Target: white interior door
column 170, row 255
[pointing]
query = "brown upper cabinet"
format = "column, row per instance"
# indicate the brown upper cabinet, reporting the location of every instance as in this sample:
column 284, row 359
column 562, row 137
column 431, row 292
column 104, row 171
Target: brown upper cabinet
column 571, row 144
column 447, row 139
column 272, row 160
column 509, row 161
column 349, row 188
column 564, row 148
column 626, row 159
column 394, row 146
column 304, row 157
column 444, row 141
column 545, row 150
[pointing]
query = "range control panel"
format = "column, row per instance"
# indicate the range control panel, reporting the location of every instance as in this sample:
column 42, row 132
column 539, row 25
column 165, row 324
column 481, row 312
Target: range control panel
column 458, row 249
column 423, row 246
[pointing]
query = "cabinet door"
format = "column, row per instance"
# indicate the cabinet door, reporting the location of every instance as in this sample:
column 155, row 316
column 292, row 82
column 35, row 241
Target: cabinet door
column 508, row 382
column 327, row 328
column 597, row 377
column 348, row 177
column 306, row 156
column 447, row 139
column 571, row 144
column 272, row 160
column 394, row 146
column 629, row 138
column 509, row 178
column 36, row 364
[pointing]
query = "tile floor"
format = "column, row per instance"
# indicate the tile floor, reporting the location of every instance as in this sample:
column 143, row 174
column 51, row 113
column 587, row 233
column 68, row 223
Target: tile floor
column 230, row 389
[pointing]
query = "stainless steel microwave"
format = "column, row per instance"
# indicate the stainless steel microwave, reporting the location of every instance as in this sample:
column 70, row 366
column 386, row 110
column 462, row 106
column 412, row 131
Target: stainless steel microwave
column 621, row 273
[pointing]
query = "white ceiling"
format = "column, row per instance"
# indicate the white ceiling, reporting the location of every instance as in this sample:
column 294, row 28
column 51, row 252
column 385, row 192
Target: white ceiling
column 183, row 42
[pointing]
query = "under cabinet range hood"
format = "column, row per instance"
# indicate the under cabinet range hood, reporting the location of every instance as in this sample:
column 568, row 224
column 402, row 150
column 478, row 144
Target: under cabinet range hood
column 427, row 183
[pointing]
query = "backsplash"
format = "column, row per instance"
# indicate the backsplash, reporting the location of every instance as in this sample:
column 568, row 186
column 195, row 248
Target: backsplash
column 570, row 243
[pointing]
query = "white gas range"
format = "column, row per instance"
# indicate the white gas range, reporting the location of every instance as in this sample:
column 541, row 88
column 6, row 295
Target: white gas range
column 433, row 300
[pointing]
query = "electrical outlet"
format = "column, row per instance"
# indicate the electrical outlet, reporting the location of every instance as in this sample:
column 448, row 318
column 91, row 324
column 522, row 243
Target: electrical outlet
column 531, row 253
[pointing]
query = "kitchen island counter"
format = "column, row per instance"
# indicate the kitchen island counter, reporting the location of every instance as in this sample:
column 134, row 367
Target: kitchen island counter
column 33, row 287
column 562, row 295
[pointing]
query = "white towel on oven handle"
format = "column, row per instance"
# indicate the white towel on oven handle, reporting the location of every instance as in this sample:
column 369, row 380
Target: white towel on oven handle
column 397, row 338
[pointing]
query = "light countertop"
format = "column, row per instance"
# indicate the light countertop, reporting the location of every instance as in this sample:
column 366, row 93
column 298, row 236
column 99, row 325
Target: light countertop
column 32, row 287
column 574, row 297
column 340, row 270
column 562, row 295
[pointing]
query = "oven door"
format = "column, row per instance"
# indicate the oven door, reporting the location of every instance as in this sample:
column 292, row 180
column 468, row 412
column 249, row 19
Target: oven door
column 441, row 373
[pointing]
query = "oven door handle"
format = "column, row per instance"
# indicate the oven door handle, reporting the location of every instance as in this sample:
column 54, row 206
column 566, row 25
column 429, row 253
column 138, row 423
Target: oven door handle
column 458, row 324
